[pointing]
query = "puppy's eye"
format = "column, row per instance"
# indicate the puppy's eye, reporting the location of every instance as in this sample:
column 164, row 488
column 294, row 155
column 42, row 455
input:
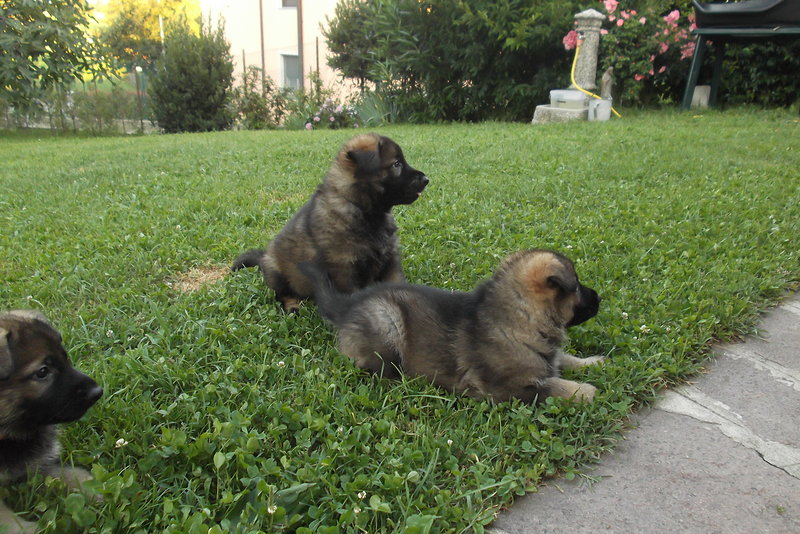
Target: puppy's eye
column 397, row 164
column 42, row 373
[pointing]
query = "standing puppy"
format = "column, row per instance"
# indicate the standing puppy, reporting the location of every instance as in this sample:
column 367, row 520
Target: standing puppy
column 347, row 224
column 501, row 341
column 39, row 389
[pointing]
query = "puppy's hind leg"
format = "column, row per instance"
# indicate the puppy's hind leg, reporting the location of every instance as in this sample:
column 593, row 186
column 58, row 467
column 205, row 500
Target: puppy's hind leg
column 369, row 352
column 276, row 280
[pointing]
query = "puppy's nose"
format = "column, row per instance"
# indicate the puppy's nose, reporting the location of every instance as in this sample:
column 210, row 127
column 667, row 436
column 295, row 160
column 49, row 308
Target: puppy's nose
column 424, row 180
column 94, row 393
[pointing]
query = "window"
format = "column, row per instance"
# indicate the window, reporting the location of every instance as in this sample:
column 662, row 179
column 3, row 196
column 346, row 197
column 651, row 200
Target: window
column 291, row 71
column 289, row 3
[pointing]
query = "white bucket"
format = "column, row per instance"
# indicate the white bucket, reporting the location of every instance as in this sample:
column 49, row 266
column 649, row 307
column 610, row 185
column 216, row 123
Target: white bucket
column 599, row 110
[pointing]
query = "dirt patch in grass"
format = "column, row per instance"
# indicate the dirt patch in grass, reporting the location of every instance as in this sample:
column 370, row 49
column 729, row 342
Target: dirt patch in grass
column 197, row 278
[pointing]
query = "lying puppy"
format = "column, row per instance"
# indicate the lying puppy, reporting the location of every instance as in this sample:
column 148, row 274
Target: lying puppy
column 39, row 388
column 347, row 224
column 501, row 341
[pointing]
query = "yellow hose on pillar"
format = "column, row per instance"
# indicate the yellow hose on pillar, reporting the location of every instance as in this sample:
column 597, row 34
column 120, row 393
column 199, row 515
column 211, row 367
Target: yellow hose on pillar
column 578, row 87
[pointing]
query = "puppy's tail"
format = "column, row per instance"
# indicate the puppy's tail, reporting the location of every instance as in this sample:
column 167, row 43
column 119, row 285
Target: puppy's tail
column 251, row 258
column 332, row 303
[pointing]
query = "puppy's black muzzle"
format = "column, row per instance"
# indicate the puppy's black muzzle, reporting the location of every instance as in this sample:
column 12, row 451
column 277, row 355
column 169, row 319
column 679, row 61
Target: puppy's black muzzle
column 67, row 399
column 587, row 307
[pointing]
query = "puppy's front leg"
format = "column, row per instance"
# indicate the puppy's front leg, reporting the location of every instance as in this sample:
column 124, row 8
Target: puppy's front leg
column 565, row 360
column 11, row 523
column 393, row 272
column 569, row 389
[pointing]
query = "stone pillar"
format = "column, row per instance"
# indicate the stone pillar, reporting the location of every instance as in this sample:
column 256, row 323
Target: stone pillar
column 588, row 25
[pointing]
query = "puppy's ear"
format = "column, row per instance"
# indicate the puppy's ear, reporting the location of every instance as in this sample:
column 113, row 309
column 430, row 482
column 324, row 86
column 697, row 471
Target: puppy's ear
column 30, row 315
column 368, row 161
column 557, row 281
column 6, row 362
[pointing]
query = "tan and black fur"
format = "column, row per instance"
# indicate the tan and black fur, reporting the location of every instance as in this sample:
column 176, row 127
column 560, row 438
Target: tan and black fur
column 39, row 389
column 347, row 224
column 502, row 340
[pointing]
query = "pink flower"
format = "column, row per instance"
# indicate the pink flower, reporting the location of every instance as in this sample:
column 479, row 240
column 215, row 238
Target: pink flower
column 611, row 18
column 672, row 17
column 603, row 31
column 662, row 69
column 633, row 11
column 625, row 15
column 570, row 40
column 651, row 72
column 687, row 50
column 316, row 118
column 652, row 58
column 638, row 77
column 662, row 48
column 332, row 118
column 620, row 22
column 642, row 20
column 308, row 126
column 610, row 5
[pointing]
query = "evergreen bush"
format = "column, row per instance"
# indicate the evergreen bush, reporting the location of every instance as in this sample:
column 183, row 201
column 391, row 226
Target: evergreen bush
column 191, row 88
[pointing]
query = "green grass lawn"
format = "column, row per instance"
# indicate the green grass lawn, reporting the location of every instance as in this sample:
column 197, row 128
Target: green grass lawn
column 222, row 414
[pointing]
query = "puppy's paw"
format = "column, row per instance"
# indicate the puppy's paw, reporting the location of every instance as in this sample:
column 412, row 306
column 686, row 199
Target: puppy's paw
column 291, row 305
column 585, row 392
column 592, row 360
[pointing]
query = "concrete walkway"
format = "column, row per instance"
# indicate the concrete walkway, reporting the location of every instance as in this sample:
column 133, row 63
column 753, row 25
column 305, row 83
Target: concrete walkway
column 720, row 455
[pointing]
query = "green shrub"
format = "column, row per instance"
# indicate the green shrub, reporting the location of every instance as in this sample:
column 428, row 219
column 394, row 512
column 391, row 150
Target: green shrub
column 762, row 73
column 102, row 112
column 258, row 102
column 454, row 59
column 191, row 87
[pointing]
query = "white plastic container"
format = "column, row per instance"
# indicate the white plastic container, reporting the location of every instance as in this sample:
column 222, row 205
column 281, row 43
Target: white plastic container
column 599, row 110
column 567, row 99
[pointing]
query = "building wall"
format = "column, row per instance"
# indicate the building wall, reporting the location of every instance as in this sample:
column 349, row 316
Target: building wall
column 242, row 29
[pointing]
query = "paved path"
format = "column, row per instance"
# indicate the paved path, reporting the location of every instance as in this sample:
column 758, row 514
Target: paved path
column 720, row 455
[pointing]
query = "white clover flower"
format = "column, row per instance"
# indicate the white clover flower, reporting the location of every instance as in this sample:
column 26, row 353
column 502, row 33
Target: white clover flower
column 362, row 495
column 120, row 443
column 624, row 315
column 356, row 510
column 449, row 442
column 645, row 329
column 272, row 508
column 109, row 333
column 281, row 364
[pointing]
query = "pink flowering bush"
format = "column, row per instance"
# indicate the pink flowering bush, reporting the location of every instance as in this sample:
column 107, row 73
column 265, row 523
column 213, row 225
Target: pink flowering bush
column 332, row 115
column 648, row 43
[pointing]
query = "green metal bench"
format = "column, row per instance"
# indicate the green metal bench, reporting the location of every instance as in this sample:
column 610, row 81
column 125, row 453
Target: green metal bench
column 748, row 20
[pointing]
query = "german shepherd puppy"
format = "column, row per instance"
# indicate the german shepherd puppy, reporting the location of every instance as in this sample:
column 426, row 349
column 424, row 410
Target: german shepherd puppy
column 39, row 389
column 500, row 341
column 347, row 224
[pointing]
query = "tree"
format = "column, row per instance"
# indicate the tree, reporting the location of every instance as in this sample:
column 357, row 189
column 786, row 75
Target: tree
column 45, row 46
column 192, row 82
column 132, row 28
column 350, row 41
